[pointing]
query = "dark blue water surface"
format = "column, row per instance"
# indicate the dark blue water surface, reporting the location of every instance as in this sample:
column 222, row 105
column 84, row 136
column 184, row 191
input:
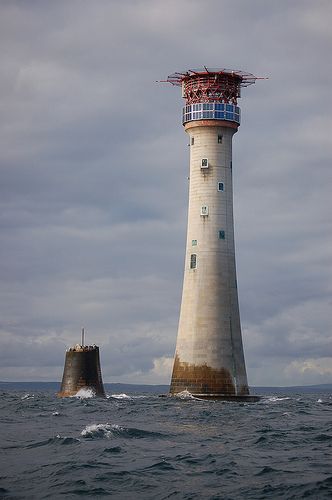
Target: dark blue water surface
column 146, row 447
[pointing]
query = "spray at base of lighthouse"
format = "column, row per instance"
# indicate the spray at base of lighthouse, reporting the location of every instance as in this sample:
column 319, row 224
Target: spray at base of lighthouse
column 209, row 359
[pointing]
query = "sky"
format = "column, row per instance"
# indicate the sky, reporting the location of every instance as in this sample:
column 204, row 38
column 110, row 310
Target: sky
column 94, row 193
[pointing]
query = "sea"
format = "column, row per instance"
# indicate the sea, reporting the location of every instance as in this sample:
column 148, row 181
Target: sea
column 137, row 445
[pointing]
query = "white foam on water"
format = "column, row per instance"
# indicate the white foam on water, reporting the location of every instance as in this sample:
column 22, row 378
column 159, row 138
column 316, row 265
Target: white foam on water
column 319, row 400
column 85, row 394
column 27, row 396
column 101, row 430
column 120, row 396
column 55, row 413
column 274, row 399
column 184, row 395
column 125, row 396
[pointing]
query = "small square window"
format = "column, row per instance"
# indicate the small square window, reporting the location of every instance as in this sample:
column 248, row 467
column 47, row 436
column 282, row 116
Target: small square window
column 192, row 141
column 194, row 243
column 204, row 163
column 220, row 186
column 219, row 139
column 193, row 261
column 221, row 234
column 204, row 210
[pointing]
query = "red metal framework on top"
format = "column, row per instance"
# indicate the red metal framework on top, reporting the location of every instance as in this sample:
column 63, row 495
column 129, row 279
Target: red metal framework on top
column 211, row 85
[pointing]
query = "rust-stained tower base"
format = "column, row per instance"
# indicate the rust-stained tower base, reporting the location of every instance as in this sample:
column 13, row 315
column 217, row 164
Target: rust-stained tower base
column 209, row 359
column 82, row 371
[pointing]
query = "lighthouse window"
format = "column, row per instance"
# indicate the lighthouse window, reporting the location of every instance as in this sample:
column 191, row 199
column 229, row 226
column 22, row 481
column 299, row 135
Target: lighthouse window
column 222, row 234
column 192, row 141
column 194, row 242
column 216, row 111
column 204, row 210
column 219, row 139
column 204, row 163
column 193, row 261
column 208, row 106
column 220, row 186
column 220, row 107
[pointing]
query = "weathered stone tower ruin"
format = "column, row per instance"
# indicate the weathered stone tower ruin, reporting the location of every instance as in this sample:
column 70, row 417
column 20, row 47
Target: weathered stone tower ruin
column 82, row 371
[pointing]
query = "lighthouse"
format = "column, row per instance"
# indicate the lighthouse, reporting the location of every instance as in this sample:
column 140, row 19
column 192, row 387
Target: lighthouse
column 209, row 359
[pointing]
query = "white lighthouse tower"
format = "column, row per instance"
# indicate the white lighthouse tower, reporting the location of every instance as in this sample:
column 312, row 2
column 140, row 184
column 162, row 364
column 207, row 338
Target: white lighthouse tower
column 209, row 359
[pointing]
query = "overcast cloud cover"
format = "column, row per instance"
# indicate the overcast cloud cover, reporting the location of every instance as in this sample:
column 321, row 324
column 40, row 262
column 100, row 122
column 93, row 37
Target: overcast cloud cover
column 94, row 165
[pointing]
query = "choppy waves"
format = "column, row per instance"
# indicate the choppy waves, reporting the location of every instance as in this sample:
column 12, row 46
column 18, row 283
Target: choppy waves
column 101, row 430
column 140, row 446
column 97, row 431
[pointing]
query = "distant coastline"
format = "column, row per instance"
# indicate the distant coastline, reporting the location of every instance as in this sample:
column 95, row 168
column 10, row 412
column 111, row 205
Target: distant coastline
column 160, row 389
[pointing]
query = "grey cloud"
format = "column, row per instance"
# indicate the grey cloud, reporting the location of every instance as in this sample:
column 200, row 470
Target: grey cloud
column 93, row 188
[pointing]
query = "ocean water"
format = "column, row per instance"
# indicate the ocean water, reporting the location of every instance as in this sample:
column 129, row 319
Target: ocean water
column 140, row 446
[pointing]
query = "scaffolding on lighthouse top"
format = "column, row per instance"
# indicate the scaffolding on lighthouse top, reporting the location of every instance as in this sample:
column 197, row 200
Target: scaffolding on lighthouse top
column 211, row 93
column 211, row 84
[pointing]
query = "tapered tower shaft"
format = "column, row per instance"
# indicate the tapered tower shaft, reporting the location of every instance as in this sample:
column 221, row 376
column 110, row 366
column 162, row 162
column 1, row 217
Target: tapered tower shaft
column 209, row 359
column 82, row 371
